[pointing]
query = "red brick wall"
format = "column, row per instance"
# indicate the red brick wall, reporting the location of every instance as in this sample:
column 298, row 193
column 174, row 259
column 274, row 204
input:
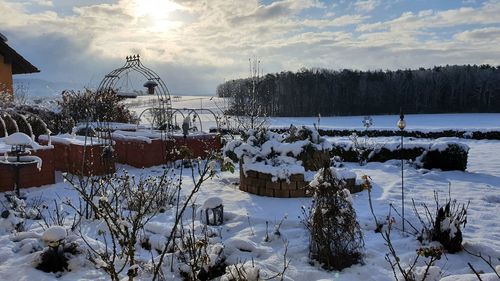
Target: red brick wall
column 141, row 154
column 94, row 164
column 69, row 158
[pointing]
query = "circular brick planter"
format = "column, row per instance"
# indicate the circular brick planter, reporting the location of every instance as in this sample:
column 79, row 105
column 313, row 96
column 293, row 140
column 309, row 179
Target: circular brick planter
column 262, row 184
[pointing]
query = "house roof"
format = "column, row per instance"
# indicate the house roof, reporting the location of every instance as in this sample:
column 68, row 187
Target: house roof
column 19, row 64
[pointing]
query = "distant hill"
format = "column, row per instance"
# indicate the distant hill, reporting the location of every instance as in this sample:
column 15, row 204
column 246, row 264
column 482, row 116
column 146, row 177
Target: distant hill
column 38, row 88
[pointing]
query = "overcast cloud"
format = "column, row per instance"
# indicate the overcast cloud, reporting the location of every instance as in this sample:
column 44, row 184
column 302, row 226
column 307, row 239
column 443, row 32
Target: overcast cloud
column 195, row 45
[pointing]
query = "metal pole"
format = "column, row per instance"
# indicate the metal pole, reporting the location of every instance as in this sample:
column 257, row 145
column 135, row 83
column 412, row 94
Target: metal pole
column 402, row 183
column 16, row 187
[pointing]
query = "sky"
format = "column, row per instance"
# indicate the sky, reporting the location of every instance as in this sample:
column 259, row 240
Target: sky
column 194, row 45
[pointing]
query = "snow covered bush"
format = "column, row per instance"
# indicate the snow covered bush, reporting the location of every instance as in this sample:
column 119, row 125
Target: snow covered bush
column 446, row 156
column 241, row 272
column 124, row 205
column 280, row 155
column 445, row 225
column 42, row 118
column 58, row 252
column 198, row 257
column 105, row 106
column 316, row 153
column 336, row 240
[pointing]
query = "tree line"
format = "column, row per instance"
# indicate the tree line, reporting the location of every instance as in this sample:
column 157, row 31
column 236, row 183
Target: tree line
column 309, row 92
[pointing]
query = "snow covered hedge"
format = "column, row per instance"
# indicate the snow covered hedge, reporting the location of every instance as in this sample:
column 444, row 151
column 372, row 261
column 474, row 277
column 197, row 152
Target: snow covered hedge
column 444, row 155
column 489, row 134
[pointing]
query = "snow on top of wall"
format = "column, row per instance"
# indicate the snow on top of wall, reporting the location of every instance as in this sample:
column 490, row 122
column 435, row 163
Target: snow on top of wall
column 72, row 139
column 282, row 171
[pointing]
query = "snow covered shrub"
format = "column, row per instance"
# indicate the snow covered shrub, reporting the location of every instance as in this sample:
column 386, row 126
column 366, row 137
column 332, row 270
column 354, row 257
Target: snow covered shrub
column 241, row 272
column 363, row 147
column 42, row 118
column 446, row 156
column 98, row 106
column 336, row 240
column 315, row 153
column 198, row 258
column 445, row 225
column 58, row 252
column 280, row 155
column 409, row 269
column 125, row 205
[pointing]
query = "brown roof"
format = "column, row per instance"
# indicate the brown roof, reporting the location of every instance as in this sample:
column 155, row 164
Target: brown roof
column 19, row 64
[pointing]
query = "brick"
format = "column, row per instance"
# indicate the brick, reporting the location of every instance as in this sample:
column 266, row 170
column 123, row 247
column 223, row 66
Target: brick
column 297, row 177
column 252, row 174
column 282, row 193
column 266, row 192
column 297, row 193
column 253, row 189
column 243, row 186
column 259, row 183
column 266, row 177
column 273, row 185
column 288, row 186
column 302, row 184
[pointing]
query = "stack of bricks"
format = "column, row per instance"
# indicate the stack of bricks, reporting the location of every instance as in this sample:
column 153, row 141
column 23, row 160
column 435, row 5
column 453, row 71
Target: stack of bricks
column 262, row 184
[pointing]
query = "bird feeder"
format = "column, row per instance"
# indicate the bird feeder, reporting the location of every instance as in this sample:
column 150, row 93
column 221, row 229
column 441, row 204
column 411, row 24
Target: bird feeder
column 151, row 85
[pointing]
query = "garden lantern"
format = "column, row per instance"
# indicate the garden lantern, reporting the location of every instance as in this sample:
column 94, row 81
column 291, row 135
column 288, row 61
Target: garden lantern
column 401, row 122
column 213, row 211
column 401, row 125
column 150, row 84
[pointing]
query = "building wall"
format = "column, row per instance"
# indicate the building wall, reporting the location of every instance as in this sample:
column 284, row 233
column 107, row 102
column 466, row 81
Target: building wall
column 5, row 77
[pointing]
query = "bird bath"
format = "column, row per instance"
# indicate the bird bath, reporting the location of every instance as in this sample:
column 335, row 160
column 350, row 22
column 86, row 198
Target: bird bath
column 19, row 157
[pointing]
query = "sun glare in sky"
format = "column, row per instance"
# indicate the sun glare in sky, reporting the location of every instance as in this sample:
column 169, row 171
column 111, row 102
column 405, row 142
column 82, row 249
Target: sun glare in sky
column 155, row 13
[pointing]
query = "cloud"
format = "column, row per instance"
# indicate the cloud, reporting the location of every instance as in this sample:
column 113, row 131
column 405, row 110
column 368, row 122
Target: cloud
column 480, row 35
column 199, row 44
column 366, row 5
column 428, row 19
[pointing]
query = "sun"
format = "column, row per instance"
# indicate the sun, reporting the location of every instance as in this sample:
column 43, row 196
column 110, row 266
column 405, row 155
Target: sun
column 155, row 9
column 154, row 15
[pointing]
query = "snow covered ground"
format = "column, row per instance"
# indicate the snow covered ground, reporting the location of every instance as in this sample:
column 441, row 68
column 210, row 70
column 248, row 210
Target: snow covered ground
column 244, row 228
column 246, row 216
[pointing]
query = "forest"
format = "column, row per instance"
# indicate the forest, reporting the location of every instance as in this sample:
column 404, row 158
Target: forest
column 309, row 92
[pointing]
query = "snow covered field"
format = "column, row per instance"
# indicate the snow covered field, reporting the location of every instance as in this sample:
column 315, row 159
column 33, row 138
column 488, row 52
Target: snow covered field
column 472, row 121
column 244, row 229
